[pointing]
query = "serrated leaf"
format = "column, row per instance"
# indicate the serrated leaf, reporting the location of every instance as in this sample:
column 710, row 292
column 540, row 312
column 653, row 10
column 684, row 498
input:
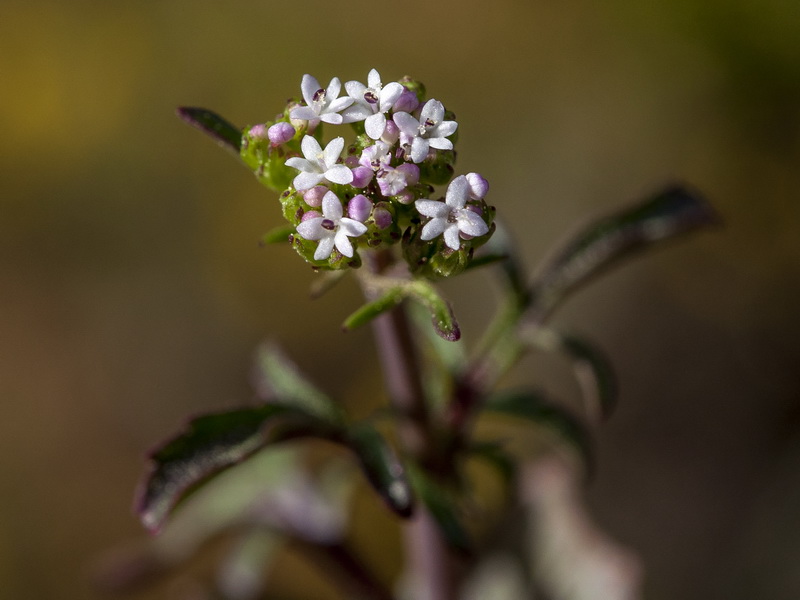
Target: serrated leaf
column 278, row 380
column 534, row 406
column 442, row 317
column 369, row 311
column 210, row 444
column 443, row 507
column 592, row 369
column 382, row 467
column 670, row 213
column 210, row 123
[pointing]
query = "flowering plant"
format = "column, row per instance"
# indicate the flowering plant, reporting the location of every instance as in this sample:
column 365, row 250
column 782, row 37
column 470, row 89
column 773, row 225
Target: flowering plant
column 370, row 207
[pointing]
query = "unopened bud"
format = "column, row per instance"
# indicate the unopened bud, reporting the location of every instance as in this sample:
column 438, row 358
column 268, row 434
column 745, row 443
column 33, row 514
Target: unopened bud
column 280, row 133
column 407, row 102
column 313, row 196
column 258, row 132
column 391, row 134
column 382, row 217
column 359, row 208
column 361, row 177
column 478, row 186
column 311, row 214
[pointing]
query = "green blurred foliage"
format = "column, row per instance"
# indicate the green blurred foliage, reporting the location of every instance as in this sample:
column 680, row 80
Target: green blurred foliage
column 133, row 290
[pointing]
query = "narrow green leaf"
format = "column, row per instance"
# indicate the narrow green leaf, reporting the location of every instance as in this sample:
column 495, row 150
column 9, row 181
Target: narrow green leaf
column 670, row 213
column 279, row 381
column 533, row 406
column 444, row 321
column 443, row 507
column 210, row 444
column 210, row 123
column 278, row 235
column 369, row 311
column 592, row 368
column 382, row 467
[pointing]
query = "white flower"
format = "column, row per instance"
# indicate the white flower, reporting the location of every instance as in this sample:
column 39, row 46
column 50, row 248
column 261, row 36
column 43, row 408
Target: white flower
column 319, row 164
column 375, row 157
column 322, row 104
column 429, row 132
column 451, row 217
column 331, row 229
column 372, row 102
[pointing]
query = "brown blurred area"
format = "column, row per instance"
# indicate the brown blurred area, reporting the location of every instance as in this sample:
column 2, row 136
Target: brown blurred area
column 133, row 290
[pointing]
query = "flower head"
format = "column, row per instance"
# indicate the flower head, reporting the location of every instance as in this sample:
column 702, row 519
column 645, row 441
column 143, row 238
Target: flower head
column 452, row 217
column 319, row 164
column 371, row 103
column 331, row 229
column 321, row 104
column 430, row 131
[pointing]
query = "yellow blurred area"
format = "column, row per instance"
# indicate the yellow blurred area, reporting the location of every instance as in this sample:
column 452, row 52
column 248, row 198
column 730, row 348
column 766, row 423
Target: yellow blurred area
column 133, row 290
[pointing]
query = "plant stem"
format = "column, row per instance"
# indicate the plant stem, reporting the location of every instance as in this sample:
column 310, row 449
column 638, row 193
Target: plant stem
column 428, row 558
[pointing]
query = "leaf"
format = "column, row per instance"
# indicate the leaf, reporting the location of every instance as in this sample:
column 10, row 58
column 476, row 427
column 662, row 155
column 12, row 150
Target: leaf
column 444, row 321
column 278, row 235
column 279, row 381
column 210, row 444
column 533, row 406
column 373, row 309
column 210, row 123
column 382, row 467
column 668, row 214
column 592, row 368
column 443, row 507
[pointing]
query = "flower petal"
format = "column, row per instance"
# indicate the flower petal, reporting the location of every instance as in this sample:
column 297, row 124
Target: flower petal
column 309, row 86
column 334, row 87
column 324, row 248
column 304, row 113
column 439, row 143
column 306, row 180
column 457, row 192
column 312, row 229
column 352, row 227
column 332, row 118
column 333, row 150
column 451, row 237
column 433, row 229
column 311, row 148
column 374, row 79
column 389, row 95
column 433, row 110
column 339, row 104
column 375, row 125
column 343, row 244
column 355, row 89
column 445, row 128
column 331, row 206
column 471, row 223
column 406, row 123
column 432, row 208
column 339, row 174
column 419, row 149
column 301, row 164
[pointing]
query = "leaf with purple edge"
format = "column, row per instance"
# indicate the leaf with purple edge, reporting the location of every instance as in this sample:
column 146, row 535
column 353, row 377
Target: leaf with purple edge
column 442, row 317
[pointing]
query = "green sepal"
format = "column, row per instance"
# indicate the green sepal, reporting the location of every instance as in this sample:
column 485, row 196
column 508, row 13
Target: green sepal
column 670, row 213
column 534, row 406
column 226, row 135
column 377, row 307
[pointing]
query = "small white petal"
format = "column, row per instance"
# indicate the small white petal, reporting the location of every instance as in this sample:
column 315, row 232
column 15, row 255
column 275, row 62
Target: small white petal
column 309, row 86
column 446, row 128
column 433, row 229
column 306, row 180
column 352, row 227
column 356, row 112
column 303, row 113
column 339, row 174
column 312, row 229
column 301, row 164
column 332, row 118
column 389, row 95
column 324, row 248
column 451, row 237
column 433, row 110
column 419, row 149
column 355, row 89
column 343, row 244
column 339, row 104
column 374, row 79
column 457, row 192
column 375, row 125
column 333, row 150
column 432, row 208
column 334, row 87
column 311, row 148
column 471, row 223
column 439, row 143
column 406, row 123
column 331, row 206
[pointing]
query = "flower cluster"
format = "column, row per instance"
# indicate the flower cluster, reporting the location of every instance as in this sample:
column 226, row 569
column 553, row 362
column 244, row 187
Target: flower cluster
column 379, row 189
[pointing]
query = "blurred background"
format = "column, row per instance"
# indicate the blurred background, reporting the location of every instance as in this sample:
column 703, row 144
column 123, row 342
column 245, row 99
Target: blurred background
column 133, row 289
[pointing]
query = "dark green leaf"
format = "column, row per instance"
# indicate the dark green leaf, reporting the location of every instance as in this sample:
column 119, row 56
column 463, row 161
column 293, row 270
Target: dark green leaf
column 278, row 235
column 210, row 123
column 369, row 311
column 443, row 507
column 279, row 381
column 670, row 213
column 534, row 406
column 444, row 321
column 382, row 467
column 210, row 444
column 592, row 369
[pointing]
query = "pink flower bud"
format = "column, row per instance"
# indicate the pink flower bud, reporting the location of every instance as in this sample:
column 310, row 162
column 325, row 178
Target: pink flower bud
column 359, row 208
column 405, row 197
column 391, row 134
column 361, row 177
column 313, row 196
column 258, row 132
column 280, row 133
column 411, row 171
column 311, row 214
column 478, row 186
column 382, row 217
column 407, row 102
